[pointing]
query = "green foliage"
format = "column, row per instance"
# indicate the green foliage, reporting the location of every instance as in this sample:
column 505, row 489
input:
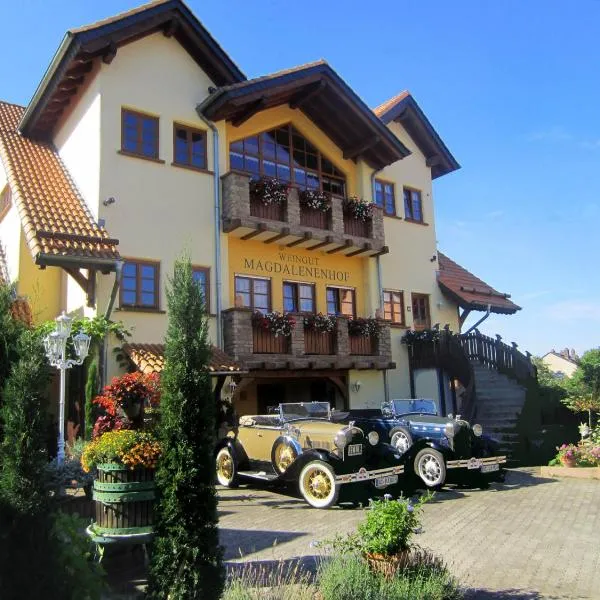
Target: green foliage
column 23, row 458
column 91, row 388
column 390, row 524
column 10, row 330
column 348, row 577
column 266, row 583
column 583, row 389
column 544, row 422
column 75, row 557
column 36, row 560
column 187, row 560
column 60, row 476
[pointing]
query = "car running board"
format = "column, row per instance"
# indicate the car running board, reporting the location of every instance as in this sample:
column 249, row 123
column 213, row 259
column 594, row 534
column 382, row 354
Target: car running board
column 258, row 475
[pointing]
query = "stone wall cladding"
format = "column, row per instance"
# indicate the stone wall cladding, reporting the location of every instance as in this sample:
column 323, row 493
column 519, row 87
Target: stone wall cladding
column 235, row 188
column 237, row 333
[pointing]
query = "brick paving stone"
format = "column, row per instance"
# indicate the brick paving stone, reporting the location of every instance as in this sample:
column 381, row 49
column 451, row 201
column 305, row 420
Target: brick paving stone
column 527, row 539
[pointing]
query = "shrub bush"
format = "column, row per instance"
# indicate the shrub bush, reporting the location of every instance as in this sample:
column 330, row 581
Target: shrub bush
column 347, row 577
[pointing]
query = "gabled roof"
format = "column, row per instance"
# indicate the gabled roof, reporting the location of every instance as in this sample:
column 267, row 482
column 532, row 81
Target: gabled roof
column 324, row 97
column 55, row 219
column 150, row 358
column 404, row 109
column 80, row 47
column 470, row 292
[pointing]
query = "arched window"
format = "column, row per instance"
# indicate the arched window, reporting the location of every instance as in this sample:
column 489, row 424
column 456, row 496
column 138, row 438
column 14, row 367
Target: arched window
column 286, row 154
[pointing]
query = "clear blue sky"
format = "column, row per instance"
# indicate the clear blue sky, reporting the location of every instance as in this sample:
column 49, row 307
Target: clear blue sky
column 512, row 87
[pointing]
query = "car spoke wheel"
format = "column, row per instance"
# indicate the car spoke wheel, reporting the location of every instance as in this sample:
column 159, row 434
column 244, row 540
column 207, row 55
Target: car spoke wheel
column 401, row 440
column 430, row 467
column 283, row 456
column 226, row 469
column 317, row 484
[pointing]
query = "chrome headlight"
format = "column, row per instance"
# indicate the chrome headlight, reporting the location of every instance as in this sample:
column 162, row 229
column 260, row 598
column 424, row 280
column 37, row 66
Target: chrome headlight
column 477, row 430
column 449, row 429
column 373, row 438
column 341, row 440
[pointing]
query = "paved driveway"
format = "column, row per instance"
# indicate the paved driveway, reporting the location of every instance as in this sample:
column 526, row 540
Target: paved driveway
column 528, row 538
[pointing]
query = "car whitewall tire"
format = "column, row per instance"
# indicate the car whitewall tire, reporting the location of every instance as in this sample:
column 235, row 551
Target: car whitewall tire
column 430, row 467
column 317, row 484
column 226, row 468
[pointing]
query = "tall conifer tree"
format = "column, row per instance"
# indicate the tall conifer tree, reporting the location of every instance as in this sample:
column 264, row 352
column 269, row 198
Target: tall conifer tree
column 187, row 559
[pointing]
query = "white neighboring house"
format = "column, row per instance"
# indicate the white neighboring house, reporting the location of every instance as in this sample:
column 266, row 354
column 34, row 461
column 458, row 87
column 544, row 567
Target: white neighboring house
column 563, row 363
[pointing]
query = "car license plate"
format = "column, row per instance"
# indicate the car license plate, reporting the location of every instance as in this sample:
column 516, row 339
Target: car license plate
column 354, row 449
column 474, row 463
column 383, row 482
column 490, row 468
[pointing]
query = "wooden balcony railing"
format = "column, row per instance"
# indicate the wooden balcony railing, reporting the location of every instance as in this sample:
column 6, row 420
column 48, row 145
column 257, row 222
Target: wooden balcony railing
column 312, row 217
column 264, row 342
column 363, row 344
column 356, row 227
column 304, row 349
column 273, row 212
column 295, row 219
column 316, row 342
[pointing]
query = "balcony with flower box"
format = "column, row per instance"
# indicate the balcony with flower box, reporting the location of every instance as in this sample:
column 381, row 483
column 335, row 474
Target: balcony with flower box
column 271, row 212
column 292, row 342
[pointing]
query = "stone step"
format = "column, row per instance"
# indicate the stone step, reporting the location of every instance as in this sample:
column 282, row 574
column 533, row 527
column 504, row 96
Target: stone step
column 492, row 413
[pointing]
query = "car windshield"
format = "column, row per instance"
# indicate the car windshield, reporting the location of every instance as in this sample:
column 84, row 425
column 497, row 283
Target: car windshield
column 418, row 405
column 304, row 410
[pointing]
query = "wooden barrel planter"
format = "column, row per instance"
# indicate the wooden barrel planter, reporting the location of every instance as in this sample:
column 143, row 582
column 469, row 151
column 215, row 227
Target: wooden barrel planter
column 124, row 501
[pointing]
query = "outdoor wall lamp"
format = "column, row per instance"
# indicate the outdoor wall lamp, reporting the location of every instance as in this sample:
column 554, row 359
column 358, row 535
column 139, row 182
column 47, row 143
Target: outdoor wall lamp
column 356, row 386
column 55, row 345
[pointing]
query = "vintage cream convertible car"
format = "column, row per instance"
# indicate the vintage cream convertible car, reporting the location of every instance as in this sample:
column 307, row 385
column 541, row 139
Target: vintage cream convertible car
column 331, row 462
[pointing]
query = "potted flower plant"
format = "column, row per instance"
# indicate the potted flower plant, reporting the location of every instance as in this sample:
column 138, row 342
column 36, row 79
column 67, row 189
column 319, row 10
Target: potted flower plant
column 386, row 533
column 315, row 200
column 568, row 454
column 269, row 190
column 358, row 208
column 277, row 323
column 320, row 323
column 124, row 461
column 363, row 327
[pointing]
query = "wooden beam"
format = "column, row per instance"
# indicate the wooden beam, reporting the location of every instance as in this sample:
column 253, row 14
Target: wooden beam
column 307, row 93
column 70, row 84
column 87, row 284
column 171, row 28
column 433, row 161
column 250, row 111
column 231, row 225
column 64, row 94
column 260, row 228
column 307, row 236
column 109, row 54
column 77, row 72
column 347, row 244
column 365, row 248
column 328, row 240
column 384, row 250
column 285, row 231
column 363, row 146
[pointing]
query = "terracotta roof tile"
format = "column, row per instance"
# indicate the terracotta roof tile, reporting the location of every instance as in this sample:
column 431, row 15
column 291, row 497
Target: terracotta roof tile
column 54, row 216
column 469, row 291
column 383, row 108
column 150, row 358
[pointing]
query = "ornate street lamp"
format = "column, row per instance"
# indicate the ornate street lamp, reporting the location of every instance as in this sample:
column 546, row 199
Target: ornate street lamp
column 56, row 348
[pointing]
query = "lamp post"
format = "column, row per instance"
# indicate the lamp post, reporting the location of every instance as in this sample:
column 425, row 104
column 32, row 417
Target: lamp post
column 56, row 349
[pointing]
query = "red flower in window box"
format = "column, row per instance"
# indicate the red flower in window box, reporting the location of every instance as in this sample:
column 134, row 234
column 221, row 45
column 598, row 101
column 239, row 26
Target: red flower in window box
column 277, row 323
column 269, row 190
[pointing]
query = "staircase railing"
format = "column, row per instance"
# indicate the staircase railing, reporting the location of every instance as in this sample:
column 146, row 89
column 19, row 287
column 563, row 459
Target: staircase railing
column 495, row 354
column 447, row 352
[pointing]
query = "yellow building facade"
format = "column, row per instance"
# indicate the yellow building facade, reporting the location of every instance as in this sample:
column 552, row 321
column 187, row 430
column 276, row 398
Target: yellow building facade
column 159, row 137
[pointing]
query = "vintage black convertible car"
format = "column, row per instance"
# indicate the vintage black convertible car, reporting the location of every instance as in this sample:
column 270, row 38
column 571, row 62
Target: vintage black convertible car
column 331, row 462
column 431, row 444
